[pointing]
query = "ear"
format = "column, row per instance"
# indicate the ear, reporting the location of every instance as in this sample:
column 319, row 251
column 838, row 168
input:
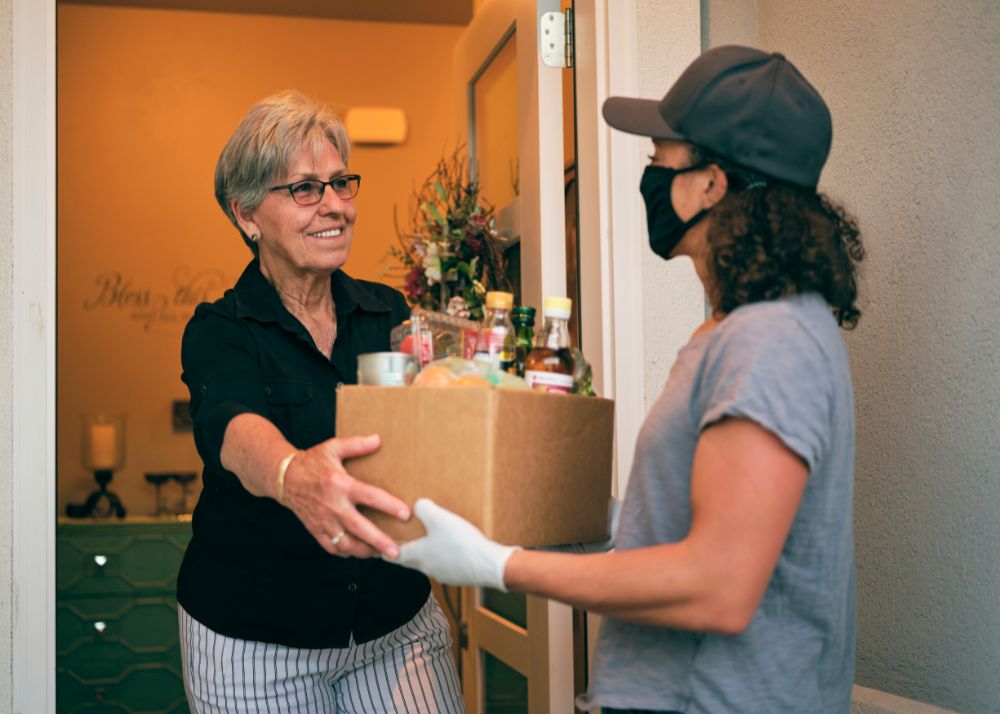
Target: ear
column 715, row 189
column 245, row 219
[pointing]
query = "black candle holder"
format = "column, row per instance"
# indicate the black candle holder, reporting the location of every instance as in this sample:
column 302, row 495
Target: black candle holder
column 103, row 451
column 101, row 503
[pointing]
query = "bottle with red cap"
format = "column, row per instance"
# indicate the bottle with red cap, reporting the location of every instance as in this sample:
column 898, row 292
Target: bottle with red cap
column 549, row 365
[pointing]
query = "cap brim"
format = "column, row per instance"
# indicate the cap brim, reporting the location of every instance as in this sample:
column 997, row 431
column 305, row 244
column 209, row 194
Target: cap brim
column 638, row 116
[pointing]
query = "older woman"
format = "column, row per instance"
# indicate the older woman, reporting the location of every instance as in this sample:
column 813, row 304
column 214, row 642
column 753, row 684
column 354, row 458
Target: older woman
column 282, row 607
column 731, row 588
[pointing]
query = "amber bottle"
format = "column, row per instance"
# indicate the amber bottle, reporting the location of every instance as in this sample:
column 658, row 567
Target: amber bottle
column 549, row 365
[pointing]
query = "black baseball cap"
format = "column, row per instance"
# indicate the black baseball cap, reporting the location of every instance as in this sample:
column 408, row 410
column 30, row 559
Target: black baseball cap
column 750, row 107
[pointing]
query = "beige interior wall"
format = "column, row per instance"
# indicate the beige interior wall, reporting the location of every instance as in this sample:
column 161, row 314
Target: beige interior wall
column 146, row 100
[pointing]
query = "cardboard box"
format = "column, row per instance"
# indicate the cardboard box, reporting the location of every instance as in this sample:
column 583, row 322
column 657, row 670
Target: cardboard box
column 528, row 468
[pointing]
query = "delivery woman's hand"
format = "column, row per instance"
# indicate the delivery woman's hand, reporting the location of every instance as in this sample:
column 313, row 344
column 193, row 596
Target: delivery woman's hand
column 325, row 498
column 454, row 551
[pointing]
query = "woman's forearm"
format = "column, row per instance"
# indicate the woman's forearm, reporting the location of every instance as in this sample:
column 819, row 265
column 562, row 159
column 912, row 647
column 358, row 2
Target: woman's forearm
column 663, row 585
column 317, row 488
column 252, row 448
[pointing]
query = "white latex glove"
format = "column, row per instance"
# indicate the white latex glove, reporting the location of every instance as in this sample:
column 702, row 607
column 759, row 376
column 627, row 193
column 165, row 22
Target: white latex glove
column 454, row 551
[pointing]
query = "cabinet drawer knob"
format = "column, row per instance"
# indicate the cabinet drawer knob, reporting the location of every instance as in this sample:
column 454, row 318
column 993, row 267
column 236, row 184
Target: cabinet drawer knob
column 101, row 627
column 100, row 560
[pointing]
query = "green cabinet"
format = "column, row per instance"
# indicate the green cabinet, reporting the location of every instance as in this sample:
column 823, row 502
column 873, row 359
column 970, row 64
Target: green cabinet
column 117, row 642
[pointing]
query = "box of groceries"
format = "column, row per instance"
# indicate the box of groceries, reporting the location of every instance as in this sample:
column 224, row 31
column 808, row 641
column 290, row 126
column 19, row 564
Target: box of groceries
column 527, row 467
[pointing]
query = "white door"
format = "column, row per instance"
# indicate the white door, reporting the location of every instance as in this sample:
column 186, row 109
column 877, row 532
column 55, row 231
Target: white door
column 517, row 650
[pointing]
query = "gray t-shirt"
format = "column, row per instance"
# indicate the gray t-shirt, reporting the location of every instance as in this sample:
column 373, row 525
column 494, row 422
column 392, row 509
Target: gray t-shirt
column 782, row 364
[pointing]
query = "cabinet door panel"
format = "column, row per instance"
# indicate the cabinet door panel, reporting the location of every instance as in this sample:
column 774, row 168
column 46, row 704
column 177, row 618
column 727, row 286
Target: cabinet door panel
column 108, row 560
column 117, row 640
column 141, row 689
column 139, row 625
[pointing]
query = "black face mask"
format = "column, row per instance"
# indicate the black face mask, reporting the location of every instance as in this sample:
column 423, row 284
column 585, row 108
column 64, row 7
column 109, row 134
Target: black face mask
column 665, row 227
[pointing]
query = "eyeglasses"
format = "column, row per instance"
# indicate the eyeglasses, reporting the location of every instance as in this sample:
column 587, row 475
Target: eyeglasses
column 310, row 191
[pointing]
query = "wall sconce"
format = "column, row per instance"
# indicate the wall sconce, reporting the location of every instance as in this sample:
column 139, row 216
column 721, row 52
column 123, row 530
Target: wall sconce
column 376, row 126
column 103, row 452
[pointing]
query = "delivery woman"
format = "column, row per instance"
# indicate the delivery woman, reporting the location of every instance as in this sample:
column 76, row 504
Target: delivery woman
column 731, row 588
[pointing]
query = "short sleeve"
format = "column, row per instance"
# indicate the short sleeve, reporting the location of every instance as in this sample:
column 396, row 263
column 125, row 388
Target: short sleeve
column 769, row 369
column 220, row 369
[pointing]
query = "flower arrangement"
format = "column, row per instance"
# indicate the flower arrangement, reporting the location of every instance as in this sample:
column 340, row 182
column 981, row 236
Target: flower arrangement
column 450, row 254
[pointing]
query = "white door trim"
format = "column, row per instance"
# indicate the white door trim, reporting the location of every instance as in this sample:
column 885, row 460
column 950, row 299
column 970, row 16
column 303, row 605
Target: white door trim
column 33, row 389
column 620, row 168
column 610, row 216
column 611, row 226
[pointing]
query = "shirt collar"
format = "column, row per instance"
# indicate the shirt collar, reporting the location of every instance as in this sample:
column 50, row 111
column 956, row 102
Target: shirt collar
column 257, row 298
column 350, row 294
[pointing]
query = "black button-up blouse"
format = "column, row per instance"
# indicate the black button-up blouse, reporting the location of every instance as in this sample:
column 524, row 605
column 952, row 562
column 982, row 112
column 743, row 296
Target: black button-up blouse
column 252, row 571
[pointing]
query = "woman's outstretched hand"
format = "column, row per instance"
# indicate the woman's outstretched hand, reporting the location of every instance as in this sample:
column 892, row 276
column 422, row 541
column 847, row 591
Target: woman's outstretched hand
column 321, row 493
column 454, row 551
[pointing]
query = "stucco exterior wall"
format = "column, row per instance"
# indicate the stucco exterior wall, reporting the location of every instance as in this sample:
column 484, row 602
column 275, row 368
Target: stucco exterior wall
column 673, row 302
column 6, row 363
column 913, row 87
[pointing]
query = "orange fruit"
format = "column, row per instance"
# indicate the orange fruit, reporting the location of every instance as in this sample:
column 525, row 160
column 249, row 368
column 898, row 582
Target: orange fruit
column 471, row 380
column 434, row 376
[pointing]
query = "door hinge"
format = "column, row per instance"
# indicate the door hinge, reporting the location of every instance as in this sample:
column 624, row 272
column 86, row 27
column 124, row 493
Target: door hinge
column 557, row 38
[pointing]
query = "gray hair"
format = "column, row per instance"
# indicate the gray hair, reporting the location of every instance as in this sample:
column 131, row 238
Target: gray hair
column 265, row 144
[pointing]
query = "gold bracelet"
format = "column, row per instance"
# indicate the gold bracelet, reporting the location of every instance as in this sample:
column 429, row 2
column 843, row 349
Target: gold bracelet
column 282, row 468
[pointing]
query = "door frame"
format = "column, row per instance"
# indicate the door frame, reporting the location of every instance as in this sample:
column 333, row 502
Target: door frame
column 33, row 139
column 610, row 308
column 543, row 650
column 611, row 222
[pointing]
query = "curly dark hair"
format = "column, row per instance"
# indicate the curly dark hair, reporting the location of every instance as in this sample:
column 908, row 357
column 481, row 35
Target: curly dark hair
column 770, row 239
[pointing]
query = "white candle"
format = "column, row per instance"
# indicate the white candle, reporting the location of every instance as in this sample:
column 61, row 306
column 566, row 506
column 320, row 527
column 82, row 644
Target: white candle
column 102, row 446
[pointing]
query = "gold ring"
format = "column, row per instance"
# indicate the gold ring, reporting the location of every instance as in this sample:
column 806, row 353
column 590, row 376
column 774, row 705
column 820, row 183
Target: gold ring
column 335, row 541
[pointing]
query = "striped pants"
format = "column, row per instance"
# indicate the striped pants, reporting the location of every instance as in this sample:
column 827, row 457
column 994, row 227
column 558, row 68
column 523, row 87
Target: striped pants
column 410, row 670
